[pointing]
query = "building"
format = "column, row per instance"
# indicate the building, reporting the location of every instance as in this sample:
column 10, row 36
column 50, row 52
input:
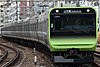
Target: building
column 1, row 12
column 26, row 8
column 14, row 11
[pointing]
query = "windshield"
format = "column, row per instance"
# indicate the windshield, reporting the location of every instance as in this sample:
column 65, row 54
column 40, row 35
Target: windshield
column 73, row 24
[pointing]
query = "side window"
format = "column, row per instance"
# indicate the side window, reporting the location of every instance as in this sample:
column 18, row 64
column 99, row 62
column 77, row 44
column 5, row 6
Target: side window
column 31, row 27
column 27, row 28
column 34, row 27
column 24, row 28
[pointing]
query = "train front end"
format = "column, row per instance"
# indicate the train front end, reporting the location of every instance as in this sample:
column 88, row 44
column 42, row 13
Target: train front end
column 72, row 34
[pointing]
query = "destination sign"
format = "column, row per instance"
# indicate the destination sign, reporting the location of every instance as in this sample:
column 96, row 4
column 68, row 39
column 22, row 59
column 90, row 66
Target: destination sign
column 72, row 11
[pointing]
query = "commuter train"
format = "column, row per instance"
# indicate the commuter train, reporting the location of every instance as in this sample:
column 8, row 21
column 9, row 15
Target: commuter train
column 69, row 33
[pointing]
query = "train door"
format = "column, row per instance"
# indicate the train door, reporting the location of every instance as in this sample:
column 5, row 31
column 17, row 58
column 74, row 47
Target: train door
column 37, row 24
column 32, row 30
column 36, row 31
column 42, row 31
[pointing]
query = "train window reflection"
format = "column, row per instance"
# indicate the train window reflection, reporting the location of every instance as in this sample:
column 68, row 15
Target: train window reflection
column 73, row 24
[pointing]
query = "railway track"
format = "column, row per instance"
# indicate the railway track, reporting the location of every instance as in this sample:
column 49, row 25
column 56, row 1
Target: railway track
column 41, row 62
column 10, row 56
column 3, row 53
column 95, row 64
column 28, row 56
column 97, row 57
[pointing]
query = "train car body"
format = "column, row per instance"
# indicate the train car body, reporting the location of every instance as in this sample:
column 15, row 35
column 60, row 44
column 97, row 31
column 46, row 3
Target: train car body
column 69, row 33
column 73, row 31
column 34, row 29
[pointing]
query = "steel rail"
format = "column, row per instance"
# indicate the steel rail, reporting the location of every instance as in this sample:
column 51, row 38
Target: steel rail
column 13, row 60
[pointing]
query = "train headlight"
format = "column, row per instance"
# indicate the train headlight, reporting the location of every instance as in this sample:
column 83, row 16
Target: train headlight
column 57, row 11
column 88, row 10
column 69, row 10
column 52, row 25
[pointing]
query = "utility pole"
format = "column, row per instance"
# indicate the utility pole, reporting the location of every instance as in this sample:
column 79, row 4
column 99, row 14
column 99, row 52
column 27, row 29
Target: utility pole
column 16, row 11
column 77, row 4
column 99, row 9
column 99, row 12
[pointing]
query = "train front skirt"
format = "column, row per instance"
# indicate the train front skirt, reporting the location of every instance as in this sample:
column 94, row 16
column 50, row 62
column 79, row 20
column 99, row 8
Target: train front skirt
column 61, row 59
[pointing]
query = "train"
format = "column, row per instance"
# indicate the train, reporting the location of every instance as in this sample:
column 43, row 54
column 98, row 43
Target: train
column 70, row 33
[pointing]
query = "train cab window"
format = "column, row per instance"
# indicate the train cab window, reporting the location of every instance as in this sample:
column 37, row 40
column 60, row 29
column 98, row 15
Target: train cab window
column 82, row 23
column 57, row 24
